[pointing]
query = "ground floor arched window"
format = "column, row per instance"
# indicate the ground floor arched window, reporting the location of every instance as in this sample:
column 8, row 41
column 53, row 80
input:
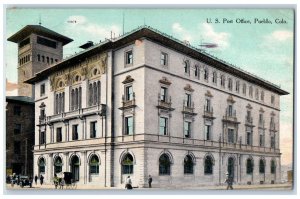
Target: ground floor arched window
column 57, row 165
column 127, row 164
column 249, row 166
column 41, row 165
column 75, row 163
column 188, row 165
column 164, row 165
column 208, row 165
column 261, row 166
column 273, row 167
column 94, row 165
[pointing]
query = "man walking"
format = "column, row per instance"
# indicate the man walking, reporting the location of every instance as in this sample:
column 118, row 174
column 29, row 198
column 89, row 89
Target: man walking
column 149, row 181
column 35, row 179
column 229, row 181
column 42, row 179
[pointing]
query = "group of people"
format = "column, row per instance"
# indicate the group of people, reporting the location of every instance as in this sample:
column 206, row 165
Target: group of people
column 228, row 181
column 128, row 183
column 41, row 179
column 58, row 182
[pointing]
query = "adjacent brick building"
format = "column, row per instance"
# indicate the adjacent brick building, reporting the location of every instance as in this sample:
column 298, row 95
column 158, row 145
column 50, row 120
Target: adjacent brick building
column 19, row 135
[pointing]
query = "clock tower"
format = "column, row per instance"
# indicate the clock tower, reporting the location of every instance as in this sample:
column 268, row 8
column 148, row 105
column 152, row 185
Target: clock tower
column 38, row 49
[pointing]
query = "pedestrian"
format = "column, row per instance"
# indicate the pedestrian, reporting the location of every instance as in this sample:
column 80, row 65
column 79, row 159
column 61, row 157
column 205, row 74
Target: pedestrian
column 30, row 181
column 55, row 181
column 62, row 183
column 128, row 184
column 229, row 181
column 41, row 179
column 149, row 181
column 35, row 179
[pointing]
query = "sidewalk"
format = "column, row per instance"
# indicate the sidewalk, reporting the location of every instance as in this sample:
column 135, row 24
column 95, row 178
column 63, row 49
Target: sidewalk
column 281, row 187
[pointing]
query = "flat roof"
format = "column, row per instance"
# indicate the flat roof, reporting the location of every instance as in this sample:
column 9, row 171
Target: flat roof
column 20, row 99
column 40, row 30
column 162, row 38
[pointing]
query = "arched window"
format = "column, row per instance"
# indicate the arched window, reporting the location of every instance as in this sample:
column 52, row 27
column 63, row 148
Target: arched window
column 250, row 91
column 230, row 84
column 188, row 165
column 214, row 80
column 196, row 72
column 256, row 94
column 273, row 167
column 244, row 89
column 164, row 165
column 90, row 94
column 222, row 80
column 261, row 166
column 94, row 165
column 42, row 165
column 187, row 67
column 39, row 57
column 127, row 164
column 206, row 74
column 249, row 166
column 262, row 96
column 208, row 165
column 237, row 86
column 94, row 93
column 57, row 165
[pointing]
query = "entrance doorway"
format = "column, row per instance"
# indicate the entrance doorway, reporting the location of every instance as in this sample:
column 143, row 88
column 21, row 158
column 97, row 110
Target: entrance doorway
column 75, row 168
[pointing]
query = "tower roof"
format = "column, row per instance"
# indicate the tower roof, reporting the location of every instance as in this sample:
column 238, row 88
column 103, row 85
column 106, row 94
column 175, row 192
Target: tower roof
column 40, row 30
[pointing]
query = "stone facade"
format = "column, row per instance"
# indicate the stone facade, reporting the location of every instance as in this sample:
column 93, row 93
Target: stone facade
column 19, row 135
column 137, row 106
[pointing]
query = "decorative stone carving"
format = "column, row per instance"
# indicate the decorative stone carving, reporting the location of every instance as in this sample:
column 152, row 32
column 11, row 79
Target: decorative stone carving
column 249, row 106
column 261, row 110
column 128, row 79
column 208, row 94
column 230, row 99
column 188, row 88
column 164, row 80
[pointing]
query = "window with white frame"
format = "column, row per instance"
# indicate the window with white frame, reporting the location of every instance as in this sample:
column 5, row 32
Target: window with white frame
column 187, row 129
column 93, row 129
column 129, row 125
column 128, row 93
column 163, row 94
column 188, row 100
column 231, row 136
column 129, row 57
column 163, row 126
column 164, row 59
column 207, row 132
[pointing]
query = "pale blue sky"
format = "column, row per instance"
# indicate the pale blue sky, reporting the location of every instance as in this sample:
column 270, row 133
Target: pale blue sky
column 262, row 49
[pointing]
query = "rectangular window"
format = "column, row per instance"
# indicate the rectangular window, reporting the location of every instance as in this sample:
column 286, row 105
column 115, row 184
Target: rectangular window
column 93, row 129
column 128, row 125
column 261, row 140
column 42, row 90
column 17, row 129
column 188, row 100
column 208, row 132
column 163, row 94
column 187, row 129
column 249, row 138
column 230, row 135
column 272, row 142
column 58, row 135
column 196, row 72
column 163, row 126
column 17, row 110
column 260, row 119
column 129, row 58
column 272, row 99
column 17, row 147
column 207, row 105
column 42, row 138
column 75, row 132
column 46, row 42
column 164, row 59
column 129, row 93
column 230, row 110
